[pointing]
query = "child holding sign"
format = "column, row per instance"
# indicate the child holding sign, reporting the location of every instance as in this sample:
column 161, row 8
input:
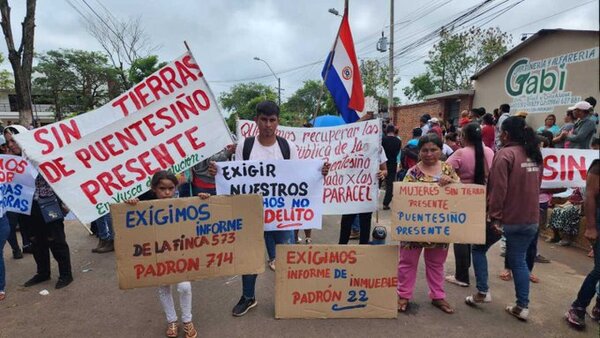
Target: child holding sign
column 163, row 185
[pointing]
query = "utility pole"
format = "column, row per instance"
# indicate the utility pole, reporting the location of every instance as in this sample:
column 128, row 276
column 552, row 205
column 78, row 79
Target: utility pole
column 391, row 62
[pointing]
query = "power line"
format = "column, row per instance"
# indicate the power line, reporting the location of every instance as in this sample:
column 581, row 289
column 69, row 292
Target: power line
column 551, row 16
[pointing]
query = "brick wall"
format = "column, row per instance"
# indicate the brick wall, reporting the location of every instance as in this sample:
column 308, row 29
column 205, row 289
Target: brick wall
column 406, row 117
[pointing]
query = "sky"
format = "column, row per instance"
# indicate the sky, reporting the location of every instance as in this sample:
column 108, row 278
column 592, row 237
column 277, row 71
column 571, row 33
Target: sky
column 294, row 37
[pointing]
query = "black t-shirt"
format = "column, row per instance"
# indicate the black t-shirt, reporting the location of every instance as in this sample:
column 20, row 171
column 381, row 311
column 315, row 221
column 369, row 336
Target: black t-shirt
column 391, row 145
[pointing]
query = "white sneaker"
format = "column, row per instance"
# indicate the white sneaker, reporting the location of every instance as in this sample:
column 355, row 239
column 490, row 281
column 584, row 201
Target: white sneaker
column 479, row 298
column 518, row 312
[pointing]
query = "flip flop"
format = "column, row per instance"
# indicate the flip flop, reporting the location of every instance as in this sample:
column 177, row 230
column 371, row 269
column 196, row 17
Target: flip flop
column 402, row 304
column 443, row 305
column 2, row 295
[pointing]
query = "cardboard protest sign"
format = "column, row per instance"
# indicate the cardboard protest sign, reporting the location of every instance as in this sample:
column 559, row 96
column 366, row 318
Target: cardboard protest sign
column 169, row 80
column 566, row 168
column 176, row 124
column 292, row 190
column 353, row 151
column 162, row 242
column 17, row 184
column 336, row 281
column 426, row 212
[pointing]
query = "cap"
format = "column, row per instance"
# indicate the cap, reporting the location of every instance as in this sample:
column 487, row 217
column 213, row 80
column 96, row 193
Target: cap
column 521, row 114
column 581, row 105
column 434, row 120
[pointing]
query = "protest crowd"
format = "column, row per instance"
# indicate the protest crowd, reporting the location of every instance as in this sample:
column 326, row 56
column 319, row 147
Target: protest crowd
column 501, row 152
column 158, row 177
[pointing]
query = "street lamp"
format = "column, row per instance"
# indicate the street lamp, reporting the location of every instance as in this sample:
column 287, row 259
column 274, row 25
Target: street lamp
column 334, row 11
column 275, row 75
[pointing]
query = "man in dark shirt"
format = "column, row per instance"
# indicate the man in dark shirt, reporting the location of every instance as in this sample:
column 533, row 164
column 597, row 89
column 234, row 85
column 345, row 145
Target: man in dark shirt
column 391, row 145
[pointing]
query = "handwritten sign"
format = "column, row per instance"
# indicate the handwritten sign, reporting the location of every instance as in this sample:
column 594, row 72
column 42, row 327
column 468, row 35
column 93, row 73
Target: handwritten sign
column 291, row 190
column 566, row 168
column 426, row 212
column 176, row 125
column 17, row 184
column 353, row 151
column 336, row 281
column 168, row 241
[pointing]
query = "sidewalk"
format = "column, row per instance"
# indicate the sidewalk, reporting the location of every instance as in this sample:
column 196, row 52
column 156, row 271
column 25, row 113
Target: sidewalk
column 93, row 306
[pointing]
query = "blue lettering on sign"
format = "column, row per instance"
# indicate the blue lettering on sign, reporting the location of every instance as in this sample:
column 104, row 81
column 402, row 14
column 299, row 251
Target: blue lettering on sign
column 437, row 217
column 423, row 230
column 353, row 296
column 170, row 215
column 273, row 202
column 300, row 203
column 340, row 273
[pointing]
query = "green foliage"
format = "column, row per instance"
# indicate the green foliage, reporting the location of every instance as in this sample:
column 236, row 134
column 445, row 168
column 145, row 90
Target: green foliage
column 74, row 80
column 420, row 86
column 374, row 76
column 6, row 77
column 302, row 105
column 456, row 58
column 243, row 97
column 143, row 67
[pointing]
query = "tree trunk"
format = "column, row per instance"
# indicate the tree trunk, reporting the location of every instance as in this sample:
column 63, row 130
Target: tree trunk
column 21, row 59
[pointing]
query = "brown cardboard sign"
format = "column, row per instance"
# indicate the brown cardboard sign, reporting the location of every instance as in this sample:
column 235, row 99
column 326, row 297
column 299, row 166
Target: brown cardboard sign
column 167, row 241
column 336, row 281
column 426, row 212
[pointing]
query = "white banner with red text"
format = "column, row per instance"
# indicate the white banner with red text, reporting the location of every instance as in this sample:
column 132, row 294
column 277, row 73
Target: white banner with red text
column 90, row 163
column 566, row 168
column 353, row 151
column 17, row 184
column 292, row 190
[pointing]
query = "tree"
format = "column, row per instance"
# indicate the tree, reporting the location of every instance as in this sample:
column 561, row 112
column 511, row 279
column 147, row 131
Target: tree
column 375, row 77
column 21, row 58
column 420, row 86
column 6, row 78
column 143, row 67
column 302, row 105
column 455, row 58
column 124, row 41
column 237, row 100
column 74, row 80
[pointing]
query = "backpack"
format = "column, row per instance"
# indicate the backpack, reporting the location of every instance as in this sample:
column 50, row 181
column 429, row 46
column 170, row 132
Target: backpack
column 410, row 157
column 284, row 146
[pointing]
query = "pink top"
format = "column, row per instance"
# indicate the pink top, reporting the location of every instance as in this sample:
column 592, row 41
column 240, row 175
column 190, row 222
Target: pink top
column 463, row 161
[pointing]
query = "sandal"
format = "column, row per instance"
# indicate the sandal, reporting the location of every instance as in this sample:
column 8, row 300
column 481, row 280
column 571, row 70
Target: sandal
column 443, row 305
column 172, row 330
column 190, row 331
column 506, row 276
column 533, row 278
column 2, row 295
column 402, row 304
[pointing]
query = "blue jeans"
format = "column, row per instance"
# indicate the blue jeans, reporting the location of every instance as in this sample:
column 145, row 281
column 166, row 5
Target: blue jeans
column 588, row 288
column 271, row 239
column 105, row 227
column 518, row 239
column 277, row 237
column 356, row 224
column 4, row 232
column 480, row 265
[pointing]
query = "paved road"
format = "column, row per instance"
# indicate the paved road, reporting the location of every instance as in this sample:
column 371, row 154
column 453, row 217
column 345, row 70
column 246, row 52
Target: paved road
column 93, row 306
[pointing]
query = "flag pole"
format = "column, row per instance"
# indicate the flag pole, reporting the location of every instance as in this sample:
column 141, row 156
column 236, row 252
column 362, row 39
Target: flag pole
column 332, row 53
